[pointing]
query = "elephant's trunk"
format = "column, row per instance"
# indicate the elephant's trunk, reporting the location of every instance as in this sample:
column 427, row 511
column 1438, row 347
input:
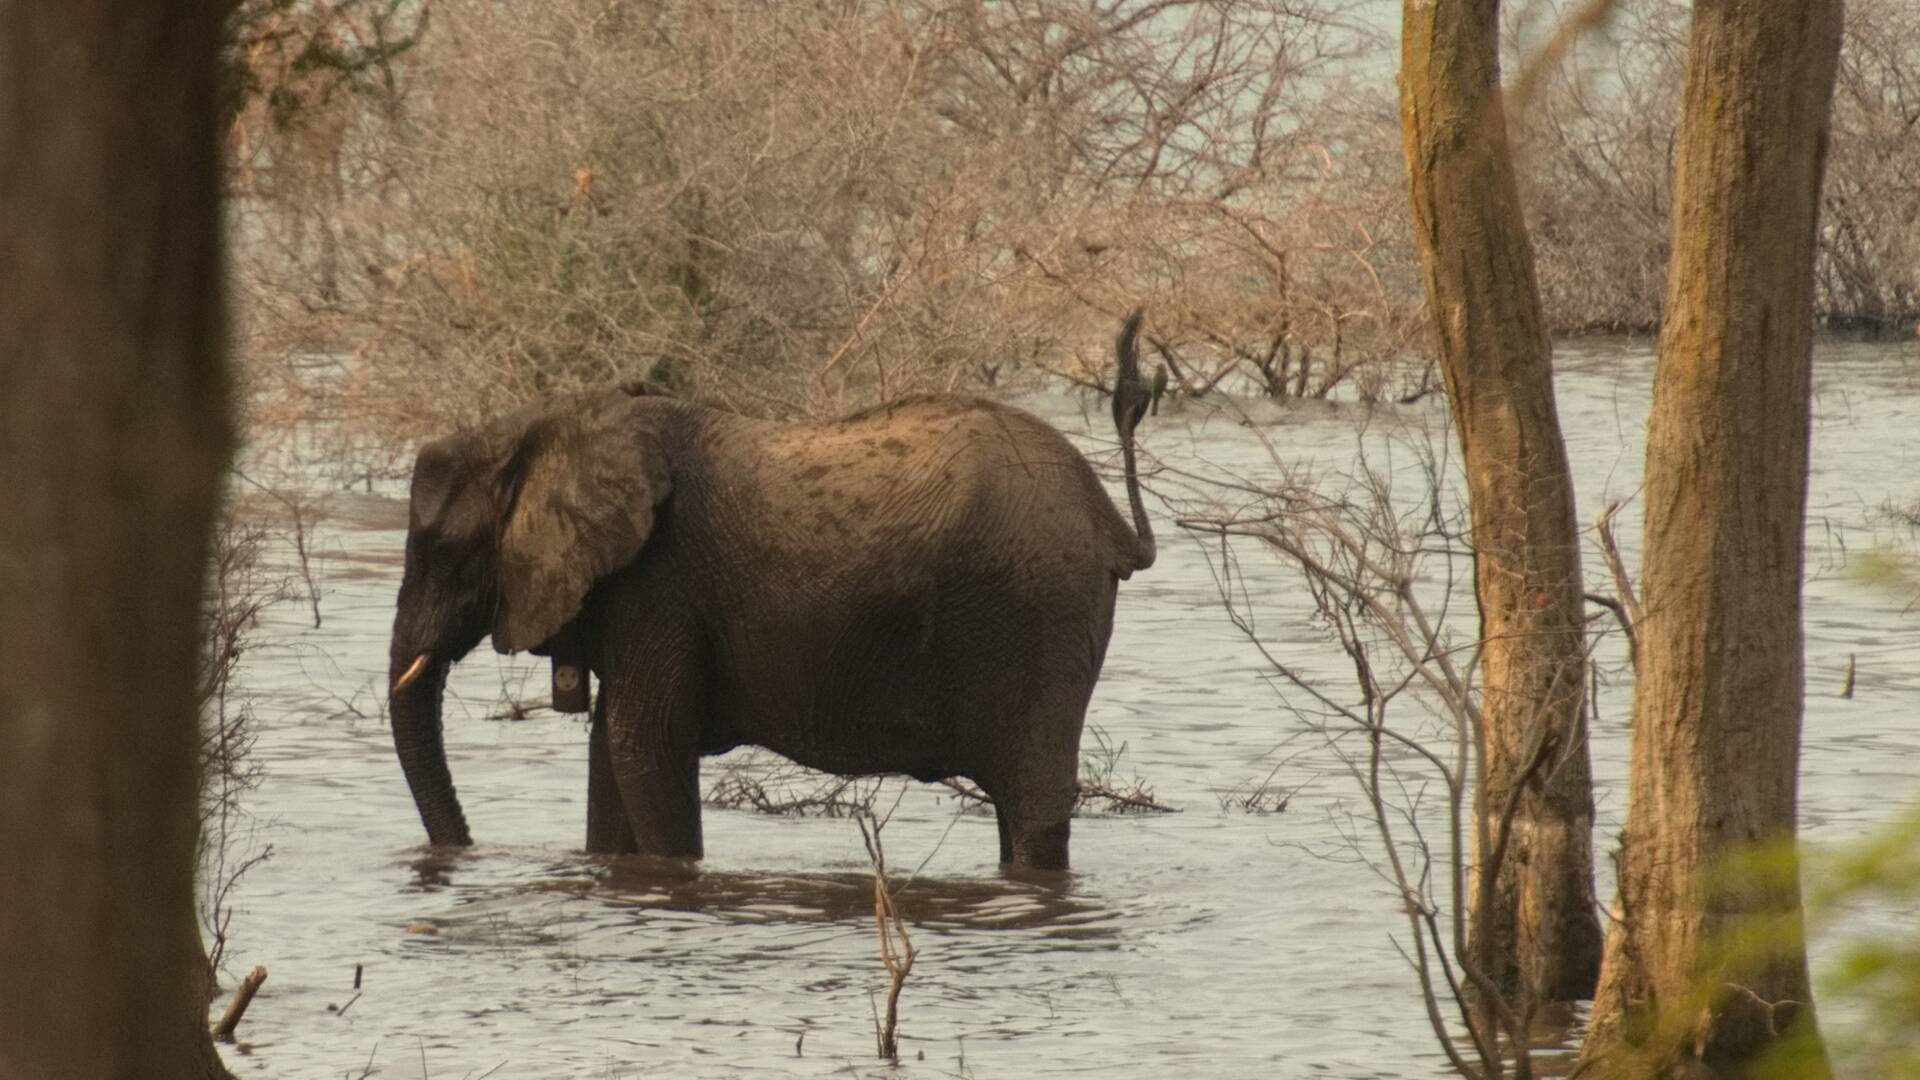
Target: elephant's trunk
column 415, row 709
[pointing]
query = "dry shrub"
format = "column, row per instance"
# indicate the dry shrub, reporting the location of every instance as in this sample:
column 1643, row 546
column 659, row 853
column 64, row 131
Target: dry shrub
column 239, row 587
column 1104, row 787
column 1594, row 142
column 789, row 208
column 1868, row 269
column 763, row 782
column 1591, row 143
column 297, row 78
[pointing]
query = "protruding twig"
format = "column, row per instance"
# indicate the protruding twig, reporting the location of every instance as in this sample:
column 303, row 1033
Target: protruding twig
column 1847, row 690
column 237, row 1008
column 1622, row 581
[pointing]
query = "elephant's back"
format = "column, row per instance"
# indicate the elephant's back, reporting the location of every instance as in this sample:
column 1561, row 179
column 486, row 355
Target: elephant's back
column 976, row 477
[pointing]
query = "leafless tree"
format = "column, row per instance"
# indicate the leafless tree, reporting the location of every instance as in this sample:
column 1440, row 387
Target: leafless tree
column 1385, row 565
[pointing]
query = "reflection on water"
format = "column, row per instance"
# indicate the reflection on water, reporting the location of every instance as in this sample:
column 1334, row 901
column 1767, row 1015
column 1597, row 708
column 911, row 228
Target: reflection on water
column 938, row 904
column 1200, row 943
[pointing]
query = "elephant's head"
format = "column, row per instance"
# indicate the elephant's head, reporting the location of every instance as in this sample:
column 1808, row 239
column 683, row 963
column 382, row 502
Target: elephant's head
column 511, row 525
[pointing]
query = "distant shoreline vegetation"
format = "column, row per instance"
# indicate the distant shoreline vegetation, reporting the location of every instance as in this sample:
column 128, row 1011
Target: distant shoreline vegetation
column 519, row 198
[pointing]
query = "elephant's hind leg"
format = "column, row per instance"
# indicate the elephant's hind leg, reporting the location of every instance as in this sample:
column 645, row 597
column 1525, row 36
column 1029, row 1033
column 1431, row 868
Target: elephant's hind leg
column 1035, row 789
column 1035, row 828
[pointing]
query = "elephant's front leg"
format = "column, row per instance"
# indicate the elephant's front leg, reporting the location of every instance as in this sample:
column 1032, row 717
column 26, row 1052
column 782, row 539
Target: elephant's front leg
column 608, row 832
column 652, row 724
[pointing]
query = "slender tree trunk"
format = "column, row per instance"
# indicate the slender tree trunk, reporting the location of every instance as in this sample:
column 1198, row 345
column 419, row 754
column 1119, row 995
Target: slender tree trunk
column 113, row 433
column 1717, row 699
column 1537, row 936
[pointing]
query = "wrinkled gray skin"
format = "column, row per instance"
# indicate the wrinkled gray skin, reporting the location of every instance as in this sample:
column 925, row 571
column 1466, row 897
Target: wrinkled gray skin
column 924, row 588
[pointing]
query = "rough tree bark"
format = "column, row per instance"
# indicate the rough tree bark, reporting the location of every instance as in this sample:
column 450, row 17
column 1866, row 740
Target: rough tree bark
column 1717, row 699
column 1537, row 936
column 113, row 434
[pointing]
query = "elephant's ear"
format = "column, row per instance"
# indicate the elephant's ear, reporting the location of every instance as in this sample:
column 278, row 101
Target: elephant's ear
column 582, row 485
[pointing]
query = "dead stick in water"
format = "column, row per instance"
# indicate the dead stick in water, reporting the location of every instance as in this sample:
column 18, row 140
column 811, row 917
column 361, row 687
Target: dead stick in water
column 899, row 962
column 897, row 957
column 1847, row 691
column 237, row 1008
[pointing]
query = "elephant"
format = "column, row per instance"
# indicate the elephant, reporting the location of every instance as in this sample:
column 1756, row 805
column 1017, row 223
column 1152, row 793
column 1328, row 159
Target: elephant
column 926, row 587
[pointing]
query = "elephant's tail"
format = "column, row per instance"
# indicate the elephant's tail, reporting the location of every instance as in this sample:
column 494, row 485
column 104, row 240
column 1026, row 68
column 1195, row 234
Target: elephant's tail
column 1130, row 399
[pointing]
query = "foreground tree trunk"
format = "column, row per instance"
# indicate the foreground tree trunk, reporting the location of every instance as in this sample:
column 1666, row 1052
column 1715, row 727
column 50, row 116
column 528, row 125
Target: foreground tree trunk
column 1707, row 963
column 1536, row 934
column 113, row 435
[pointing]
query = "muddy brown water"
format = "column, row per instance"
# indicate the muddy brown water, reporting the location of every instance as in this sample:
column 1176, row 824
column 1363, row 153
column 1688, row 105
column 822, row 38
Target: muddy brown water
column 1209, row 942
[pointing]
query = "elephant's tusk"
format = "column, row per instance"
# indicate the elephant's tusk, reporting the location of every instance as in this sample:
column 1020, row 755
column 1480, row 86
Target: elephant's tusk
column 413, row 672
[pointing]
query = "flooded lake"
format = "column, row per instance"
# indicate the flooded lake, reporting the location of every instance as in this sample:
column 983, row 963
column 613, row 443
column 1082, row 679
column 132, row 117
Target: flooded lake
column 1210, row 942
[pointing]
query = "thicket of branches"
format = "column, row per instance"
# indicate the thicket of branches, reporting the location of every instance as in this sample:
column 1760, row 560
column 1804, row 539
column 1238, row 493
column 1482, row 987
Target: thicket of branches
column 1595, row 140
column 1385, row 558
column 240, row 585
column 785, row 208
